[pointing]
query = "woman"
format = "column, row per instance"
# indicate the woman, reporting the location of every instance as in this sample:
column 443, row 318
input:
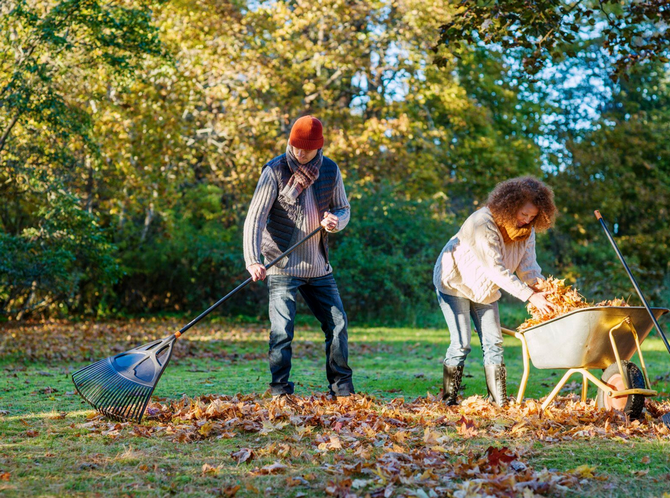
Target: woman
column 493, row 244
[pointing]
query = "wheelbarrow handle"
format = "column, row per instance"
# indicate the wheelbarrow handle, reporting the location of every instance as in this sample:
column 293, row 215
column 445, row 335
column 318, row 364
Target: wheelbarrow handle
column 246, row 282
column 599, row 217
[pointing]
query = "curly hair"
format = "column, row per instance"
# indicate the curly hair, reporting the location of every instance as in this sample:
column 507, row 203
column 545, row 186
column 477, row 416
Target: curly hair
column 508, row 197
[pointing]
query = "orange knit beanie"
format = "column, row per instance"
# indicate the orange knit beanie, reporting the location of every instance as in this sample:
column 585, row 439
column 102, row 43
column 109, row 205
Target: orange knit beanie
column 307, row 134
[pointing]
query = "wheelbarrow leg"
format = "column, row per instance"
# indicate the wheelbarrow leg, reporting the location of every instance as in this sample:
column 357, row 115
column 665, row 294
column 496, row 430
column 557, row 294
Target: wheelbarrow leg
column 585, row 387
column 526, row 369
column 627, row 321
column 526, row 362
column 586, row 375
column 558, row 387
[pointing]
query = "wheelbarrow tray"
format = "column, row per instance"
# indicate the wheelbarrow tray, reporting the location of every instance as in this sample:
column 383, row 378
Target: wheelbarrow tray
column 580, row 339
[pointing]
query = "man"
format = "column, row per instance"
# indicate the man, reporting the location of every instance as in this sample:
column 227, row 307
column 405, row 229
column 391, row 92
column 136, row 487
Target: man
column 297, row 192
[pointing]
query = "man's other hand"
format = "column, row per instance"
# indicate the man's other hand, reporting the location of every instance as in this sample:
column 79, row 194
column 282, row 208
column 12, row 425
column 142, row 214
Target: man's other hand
column 257, row 272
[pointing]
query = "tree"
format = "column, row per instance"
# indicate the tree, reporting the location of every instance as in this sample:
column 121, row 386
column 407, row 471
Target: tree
column 166, row 157
column 631, row 32
column 243, row 75
column 621, row 167
column 50, row 239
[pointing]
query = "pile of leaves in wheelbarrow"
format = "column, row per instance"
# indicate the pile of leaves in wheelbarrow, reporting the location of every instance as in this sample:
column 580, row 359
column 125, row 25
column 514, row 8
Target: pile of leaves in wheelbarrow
column 564, row 298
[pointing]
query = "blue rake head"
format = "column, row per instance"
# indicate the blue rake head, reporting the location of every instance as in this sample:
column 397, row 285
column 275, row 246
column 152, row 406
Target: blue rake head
column 120, row 386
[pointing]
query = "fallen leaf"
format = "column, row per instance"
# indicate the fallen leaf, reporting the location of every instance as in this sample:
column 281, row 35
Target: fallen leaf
column 273, row 468
column 206, row 428
column 584, row 471
column 292, row 481
column 466, row 428
column 430, row 437
column 210, row 469
column 360, row 483
column 230, row 491
column 496, row 456
column 243, row 455
column 335, row 442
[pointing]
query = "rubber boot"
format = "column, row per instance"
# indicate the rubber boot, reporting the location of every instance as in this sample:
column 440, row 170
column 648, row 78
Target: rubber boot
column 451, row 383
column 496, row 382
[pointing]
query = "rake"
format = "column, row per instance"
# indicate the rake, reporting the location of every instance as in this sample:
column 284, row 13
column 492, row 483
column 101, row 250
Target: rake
column 121, row 386
column 666, row 417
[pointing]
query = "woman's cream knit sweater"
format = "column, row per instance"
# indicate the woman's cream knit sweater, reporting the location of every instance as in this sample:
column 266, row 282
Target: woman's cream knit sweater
column 476, row 262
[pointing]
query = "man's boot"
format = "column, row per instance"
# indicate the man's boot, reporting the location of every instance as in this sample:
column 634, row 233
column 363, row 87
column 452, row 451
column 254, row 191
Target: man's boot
column 451, row 383
column 496, row 382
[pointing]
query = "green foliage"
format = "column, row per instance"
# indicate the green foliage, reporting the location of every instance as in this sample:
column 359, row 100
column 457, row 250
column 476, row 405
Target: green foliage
column 384, row 258
column 188, row 260
column 622, row 168
column 154, row 118
column 53, row 251
column 225, row 107
column 51, row 263
column 46, row 44
column 631, row 32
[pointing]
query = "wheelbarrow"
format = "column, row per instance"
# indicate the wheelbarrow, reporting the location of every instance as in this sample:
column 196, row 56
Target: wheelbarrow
column 593, row 338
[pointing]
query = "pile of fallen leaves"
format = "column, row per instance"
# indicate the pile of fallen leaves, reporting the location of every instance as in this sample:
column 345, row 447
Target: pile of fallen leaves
column 365, row 446
column 564, row 298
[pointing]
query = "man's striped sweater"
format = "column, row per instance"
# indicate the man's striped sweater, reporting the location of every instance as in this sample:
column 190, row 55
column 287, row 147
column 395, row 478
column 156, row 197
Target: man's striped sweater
column 308, row 260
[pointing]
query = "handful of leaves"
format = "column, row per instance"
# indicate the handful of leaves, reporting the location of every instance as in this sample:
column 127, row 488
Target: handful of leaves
column 564, row 299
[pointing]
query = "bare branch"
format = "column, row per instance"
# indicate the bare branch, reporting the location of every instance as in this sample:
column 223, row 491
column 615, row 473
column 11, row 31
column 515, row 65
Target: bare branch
column 3, row 138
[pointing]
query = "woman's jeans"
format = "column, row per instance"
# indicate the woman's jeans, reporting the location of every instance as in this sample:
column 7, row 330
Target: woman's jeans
column 323, row 298
column 458, row 311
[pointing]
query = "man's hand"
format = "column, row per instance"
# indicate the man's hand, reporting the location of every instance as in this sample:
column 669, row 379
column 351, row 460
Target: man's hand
column 257, row 272
column 330, row 221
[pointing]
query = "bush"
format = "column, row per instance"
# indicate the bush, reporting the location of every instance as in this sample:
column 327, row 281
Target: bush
column 384, row 259
column 49, row 265
column 190, row 260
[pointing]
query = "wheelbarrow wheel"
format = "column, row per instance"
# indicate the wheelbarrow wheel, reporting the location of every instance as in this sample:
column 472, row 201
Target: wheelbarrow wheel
column 633, row 404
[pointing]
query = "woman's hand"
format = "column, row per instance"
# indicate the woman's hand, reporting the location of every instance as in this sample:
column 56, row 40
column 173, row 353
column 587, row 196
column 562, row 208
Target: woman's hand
column 536, row 287
column 257, row 272
column 539, row 300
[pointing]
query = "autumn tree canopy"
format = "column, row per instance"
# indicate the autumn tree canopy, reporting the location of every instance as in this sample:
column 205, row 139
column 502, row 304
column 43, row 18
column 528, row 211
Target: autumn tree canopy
column 133, row 134
column 628, row 31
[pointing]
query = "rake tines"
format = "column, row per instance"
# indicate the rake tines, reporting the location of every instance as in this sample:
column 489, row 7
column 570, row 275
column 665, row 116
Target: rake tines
column 120, row 386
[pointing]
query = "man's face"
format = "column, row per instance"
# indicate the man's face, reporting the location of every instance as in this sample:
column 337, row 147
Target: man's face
column 304, row 156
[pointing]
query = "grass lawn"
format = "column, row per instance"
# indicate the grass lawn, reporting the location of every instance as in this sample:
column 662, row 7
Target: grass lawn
column 214, row 431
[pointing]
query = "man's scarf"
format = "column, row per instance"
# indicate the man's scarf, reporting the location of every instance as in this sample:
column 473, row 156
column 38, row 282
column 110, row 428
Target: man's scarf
column 304, row 175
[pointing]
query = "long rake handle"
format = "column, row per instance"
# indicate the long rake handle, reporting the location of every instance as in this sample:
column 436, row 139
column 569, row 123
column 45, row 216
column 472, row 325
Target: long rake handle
column 245, row 283
column 632, row 279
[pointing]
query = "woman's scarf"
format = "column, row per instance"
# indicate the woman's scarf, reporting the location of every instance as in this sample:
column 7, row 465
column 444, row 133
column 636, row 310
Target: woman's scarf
column 515, row 234
column 304, row 175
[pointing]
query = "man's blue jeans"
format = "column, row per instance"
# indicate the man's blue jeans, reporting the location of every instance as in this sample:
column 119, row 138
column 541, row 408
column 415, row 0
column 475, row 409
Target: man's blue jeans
column 323, row 298
column 457, row 312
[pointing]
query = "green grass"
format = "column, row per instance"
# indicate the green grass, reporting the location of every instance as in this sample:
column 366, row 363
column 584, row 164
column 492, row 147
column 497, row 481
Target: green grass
column 45, row 449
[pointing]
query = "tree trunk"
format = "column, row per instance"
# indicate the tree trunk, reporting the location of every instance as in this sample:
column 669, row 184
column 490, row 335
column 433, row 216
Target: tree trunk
column 147, row 222
column 5, row 134
column 26, row 305
column 89, row 185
